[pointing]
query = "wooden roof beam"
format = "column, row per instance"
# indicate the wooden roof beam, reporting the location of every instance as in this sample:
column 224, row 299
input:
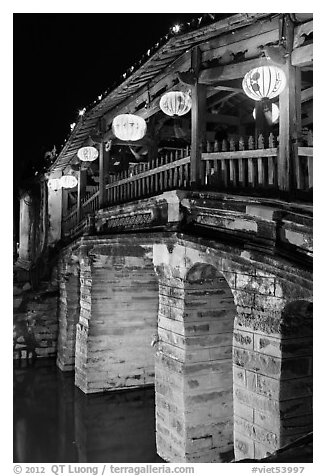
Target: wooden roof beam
column 302, row 56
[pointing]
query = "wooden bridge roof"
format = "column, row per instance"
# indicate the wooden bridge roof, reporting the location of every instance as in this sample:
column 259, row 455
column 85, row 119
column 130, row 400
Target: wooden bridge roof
column 160, row 64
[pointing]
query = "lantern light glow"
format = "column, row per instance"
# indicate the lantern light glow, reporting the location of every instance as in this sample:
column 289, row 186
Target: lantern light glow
column 68, row 181
column 129, row 127
column 87, row 154
column 271, row 116
column 175, row 103
column 264, row 82
column 54, row 184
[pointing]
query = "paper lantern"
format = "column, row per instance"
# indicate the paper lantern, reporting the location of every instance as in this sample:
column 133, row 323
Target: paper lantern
column 265, row 82
column 54, row 184
column 275, row 114
column 87, row 154
column 68, row 181
column 129, row 127
column 175, row 103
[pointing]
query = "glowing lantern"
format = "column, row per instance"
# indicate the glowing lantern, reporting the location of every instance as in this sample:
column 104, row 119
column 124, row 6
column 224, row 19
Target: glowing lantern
column 68, row 181
column 87, row 154
column 265, row 82
column 129, row 127
column 54, row 184
column 175, row 103
column 271, row 116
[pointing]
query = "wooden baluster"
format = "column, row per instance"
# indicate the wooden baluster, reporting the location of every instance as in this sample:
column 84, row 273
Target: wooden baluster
column 208, row 147
column 310, row 172
column 232, row 162
column 241, row 164
column 310, row 138
column 187, row 151
column 271, row 162
column 224, row 145
column 260, row 163
column 207, row 172
column 215, row 146
column 251, row 171
column 156, row 176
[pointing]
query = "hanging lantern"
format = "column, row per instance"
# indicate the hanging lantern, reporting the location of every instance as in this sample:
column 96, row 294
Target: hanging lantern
column 175, row 103
column 87, row 154
column 265, row 82
column 129, row 127
column 54, row 184
column 271, row 115
column 68, row 181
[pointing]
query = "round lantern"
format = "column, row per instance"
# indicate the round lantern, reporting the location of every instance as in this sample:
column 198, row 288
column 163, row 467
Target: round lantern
column 87, row 154
column 265, row 82
column 275, row 114
column 129, row 127
column 68, row 181
column 54, row 184
column 175, row 103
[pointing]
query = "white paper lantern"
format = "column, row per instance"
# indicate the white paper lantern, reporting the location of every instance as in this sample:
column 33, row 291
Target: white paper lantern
column 175, row 103
column 68, row 181
column 87, row 154
column 265, row 82
column 274, row 115
column 54, row 184
column 129, row 127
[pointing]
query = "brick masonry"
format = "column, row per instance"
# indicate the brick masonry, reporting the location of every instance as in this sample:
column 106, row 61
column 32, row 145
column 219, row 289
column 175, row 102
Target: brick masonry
column 193, row 372
column 272, row 349
column 118, row 317
column 69, row 311
column 233, row 355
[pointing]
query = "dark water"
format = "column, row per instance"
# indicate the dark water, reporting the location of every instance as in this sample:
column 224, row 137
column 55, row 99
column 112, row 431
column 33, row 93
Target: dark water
column 55, row 422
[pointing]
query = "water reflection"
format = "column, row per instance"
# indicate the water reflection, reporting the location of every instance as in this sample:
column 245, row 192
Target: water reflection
column 55, row 422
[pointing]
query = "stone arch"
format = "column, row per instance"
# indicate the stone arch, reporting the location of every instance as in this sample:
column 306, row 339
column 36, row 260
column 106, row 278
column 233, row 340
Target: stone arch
column 194, row 408
column 69, row 310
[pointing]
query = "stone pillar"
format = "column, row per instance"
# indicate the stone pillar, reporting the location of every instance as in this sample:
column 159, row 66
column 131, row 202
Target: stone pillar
column 55, row 198
column 26, row 236
column 193, row 367
column 272, row 369
column 118, row 316
column 69, row 309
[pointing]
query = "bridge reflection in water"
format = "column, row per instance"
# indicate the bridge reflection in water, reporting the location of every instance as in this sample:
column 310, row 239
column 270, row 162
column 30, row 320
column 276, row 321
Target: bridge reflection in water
column 55, row 422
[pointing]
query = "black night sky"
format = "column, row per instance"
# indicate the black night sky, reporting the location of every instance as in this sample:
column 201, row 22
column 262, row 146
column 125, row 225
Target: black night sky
column 62, row 62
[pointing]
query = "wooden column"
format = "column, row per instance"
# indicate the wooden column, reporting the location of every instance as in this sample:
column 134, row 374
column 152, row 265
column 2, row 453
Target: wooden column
column 82, row 179
column 102, row 170
column 198, row 121
column 64, row 202
column 290, row 117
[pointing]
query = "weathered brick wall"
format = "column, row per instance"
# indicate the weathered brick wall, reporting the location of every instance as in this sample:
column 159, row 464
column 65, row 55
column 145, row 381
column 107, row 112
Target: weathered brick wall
column 194, row 367
column 69, row 309
column 36, row 325
column 118, row 316
column 272, row 377
column 269, row 364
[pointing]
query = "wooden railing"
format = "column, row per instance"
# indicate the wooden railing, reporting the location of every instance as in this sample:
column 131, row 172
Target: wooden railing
column 235, row 165
column 70, row 220
column 90, row 204
column 164, row 173
column 239, row 164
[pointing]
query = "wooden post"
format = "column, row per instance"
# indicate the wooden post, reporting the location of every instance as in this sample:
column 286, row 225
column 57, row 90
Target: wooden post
column 198, row 124
column 102, row 170
column 64, row 202
column 81, row 188
column 290, row 117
